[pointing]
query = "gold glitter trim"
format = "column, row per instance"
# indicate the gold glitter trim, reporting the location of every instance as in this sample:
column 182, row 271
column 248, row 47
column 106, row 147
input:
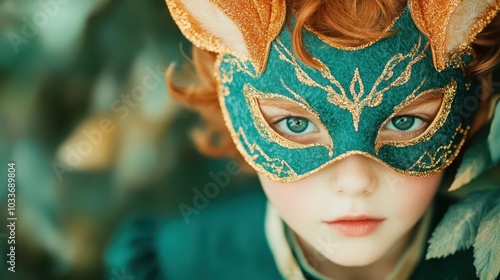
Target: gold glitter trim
column 455, row 59
column 482, row 18
column 234, row 64
column 250, row 159
column 277, row 165
column 194, row 31
column 252, row 95
column 343, row 156
column 448, row 92
column 260, row 21
column 295, row 177
column 357, row 91
column 481, row 22
column 443, row 153
column 432, row 18
column 360, row 47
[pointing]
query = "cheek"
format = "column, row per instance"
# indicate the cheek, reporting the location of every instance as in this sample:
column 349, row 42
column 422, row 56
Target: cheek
column 414, row 194
column 291, row 200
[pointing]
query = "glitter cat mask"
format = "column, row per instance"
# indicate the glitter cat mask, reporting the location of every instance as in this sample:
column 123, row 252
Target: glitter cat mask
column 352, row 97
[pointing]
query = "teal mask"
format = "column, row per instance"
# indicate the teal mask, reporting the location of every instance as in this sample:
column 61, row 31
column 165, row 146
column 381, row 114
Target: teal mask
column 352, row 97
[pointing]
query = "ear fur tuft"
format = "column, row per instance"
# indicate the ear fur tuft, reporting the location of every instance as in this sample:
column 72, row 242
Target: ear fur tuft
column 244, row 28
column 452, row 25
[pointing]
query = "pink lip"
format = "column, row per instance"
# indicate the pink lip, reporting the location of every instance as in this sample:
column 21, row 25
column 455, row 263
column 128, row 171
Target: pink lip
column 356, row 225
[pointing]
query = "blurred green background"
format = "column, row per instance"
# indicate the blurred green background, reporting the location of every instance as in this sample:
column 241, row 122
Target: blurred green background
column 86, row 117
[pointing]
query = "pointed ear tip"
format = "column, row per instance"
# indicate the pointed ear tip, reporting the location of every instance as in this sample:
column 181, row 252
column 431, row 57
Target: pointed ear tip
column 439, row 67
column 259, row 65
column 437, row 59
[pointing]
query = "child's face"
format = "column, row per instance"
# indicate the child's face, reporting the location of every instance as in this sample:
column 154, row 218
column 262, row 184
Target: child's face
column 320, row 208
column 353, row 187
column 345, row 139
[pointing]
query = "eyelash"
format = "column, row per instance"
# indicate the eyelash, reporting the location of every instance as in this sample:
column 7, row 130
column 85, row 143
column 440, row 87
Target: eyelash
column 426, row 121
column 299, row 137
column 414, row 133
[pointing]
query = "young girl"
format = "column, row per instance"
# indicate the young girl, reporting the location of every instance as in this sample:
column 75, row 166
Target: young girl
column 353, row 113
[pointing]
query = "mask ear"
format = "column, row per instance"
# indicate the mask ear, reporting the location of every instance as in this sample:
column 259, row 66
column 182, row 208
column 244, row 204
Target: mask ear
column 244, row 28
column 451, row 25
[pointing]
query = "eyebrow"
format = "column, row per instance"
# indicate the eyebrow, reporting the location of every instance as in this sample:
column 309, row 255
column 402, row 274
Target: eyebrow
column 284, row 105
column 425, row 100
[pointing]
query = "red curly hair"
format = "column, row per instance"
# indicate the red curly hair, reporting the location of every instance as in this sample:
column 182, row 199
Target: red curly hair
column 342, row 23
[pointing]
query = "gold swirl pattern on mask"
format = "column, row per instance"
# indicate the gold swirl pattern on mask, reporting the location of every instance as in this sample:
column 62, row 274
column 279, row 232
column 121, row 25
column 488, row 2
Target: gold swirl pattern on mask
column 279, row 167
column 358, row 100
column 252, row 95
column 444, row 154
column 226, row 75
column 295, row 178
column 448, row 92
column 292, row 176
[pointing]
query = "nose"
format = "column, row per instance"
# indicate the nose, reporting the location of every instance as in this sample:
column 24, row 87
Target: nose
column 354, row 175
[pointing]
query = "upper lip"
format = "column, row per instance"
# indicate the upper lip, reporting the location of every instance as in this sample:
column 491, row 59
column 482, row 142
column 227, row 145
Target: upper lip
column 356, row 218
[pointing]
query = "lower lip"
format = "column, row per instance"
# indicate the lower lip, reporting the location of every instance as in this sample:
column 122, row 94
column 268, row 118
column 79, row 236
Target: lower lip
column 356, row 228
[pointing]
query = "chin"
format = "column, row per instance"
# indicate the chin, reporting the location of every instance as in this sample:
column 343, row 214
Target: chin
column 353, row 261
column 356, row 257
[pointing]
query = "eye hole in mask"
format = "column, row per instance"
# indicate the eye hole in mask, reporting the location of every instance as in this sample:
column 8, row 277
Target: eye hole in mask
column 297, row 125
column 418, row 118
column 412, row 120
column 293, row 122
column 290, row 123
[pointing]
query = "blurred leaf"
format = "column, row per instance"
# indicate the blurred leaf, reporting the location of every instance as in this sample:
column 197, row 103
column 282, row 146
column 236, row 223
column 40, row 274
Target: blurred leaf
column 487, row 245
column 483, row 153
column 494, row 136
column 476, row 160
column 458, row 229
column 93, row 145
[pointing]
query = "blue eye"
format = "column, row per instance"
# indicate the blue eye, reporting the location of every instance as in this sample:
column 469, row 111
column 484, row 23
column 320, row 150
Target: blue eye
column 404, row 123
column 296, row 125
